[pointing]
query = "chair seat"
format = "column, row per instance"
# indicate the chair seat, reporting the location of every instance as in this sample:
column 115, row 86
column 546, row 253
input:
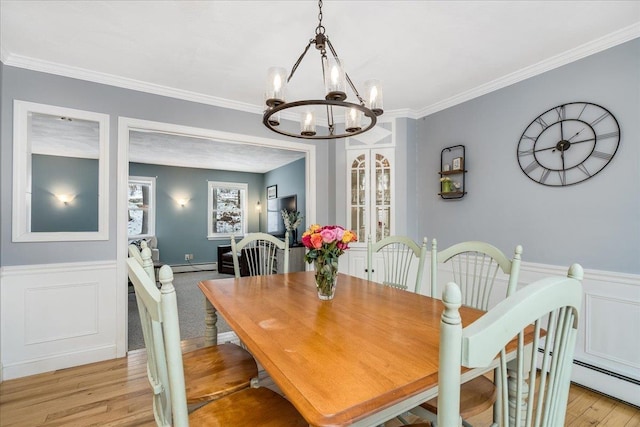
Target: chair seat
column 476, row 396
column 250, row 407
column 213, row 372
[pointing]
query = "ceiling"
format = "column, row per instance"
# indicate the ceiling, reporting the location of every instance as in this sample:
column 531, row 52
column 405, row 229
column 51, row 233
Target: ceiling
column 428, row 54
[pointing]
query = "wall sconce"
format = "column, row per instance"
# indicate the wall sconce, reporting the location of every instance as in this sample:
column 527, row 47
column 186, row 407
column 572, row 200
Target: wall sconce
column 259, row 210
column 182, row 202
column 65, row 198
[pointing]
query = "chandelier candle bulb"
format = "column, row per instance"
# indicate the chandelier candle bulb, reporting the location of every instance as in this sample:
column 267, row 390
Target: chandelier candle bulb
column 308, row 124
column 276, row 84
column 274, row 120
column 373, row 89
column 353, row 120
column 335, row 81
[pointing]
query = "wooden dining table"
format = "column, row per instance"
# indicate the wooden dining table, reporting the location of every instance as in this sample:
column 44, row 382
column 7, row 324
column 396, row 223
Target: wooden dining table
column 362, row 358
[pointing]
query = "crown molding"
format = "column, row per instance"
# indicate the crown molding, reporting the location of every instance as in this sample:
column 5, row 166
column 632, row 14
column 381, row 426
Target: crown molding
column 610, row 40
column 124, row 82
column 3, row 55
column 139, row 85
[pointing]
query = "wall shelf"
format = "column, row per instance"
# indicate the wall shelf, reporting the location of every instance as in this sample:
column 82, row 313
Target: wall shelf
column 452, row 167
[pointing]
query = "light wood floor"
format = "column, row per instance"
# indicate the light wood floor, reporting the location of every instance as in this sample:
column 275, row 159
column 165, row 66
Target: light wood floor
column 116, row 393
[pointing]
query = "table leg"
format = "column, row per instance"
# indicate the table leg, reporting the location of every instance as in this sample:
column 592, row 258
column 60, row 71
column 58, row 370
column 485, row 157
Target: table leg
column 210, row 321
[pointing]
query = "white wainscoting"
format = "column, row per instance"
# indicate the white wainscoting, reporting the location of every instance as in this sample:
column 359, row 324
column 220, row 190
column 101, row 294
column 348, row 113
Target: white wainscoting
column 607, row 356
column 55, row 316
column 63, row 315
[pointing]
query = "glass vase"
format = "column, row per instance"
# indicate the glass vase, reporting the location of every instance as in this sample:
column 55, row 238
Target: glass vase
column 326, row 277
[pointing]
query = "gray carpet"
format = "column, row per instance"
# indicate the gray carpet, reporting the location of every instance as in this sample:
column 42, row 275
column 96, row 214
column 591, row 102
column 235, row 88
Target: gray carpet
column 190, row 308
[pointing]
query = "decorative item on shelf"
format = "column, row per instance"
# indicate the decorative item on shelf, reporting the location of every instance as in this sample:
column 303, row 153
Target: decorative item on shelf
column 458, row 164
column 292, row 220
column 446, row 184
column 335, row 83
column 326, row 244
column 445, row 168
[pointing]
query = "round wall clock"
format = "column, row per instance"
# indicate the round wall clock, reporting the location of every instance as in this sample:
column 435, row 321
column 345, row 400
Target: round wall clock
column 568, row 144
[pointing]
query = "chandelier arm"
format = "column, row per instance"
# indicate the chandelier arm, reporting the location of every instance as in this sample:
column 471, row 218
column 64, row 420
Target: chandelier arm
column 295, row 66
column 330, row 120
column 355, row 91
column 353, row 87
column 323, row 60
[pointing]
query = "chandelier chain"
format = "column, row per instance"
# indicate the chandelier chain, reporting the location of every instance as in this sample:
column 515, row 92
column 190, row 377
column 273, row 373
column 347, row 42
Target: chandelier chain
column 320, row 28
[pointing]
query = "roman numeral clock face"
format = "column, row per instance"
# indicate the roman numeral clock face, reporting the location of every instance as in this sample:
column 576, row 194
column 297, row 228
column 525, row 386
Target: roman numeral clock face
column 568, row 144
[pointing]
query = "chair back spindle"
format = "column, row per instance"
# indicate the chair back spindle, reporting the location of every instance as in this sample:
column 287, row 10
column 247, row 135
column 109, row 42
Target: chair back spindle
column 398, row 254
column 260, row 251
column 475, row 267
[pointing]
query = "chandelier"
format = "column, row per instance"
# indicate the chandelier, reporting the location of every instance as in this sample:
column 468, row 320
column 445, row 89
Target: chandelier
column 334, row 103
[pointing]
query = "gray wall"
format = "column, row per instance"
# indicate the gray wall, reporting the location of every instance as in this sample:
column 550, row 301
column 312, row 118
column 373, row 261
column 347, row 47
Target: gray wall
column 183, row 230
column 595, row 223
column 33, row 86
column 2, row 166
column 54, row 173
column 290, row 180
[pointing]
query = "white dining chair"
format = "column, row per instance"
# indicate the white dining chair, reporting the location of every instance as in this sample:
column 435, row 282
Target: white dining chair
column 535, row 386
column 210, row 372
column 398, row 254
column 476, row 267
column 244, row 407
column 134, row 252
column 259, row 251
column 144, row 257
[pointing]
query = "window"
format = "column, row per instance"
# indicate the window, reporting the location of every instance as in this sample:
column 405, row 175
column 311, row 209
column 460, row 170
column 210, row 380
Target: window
column 227, row 209
column 142, row 207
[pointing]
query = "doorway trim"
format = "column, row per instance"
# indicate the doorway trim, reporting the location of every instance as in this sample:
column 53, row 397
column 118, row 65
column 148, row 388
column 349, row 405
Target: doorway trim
column 125, row 126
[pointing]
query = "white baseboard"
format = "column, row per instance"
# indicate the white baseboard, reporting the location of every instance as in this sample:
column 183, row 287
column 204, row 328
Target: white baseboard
column 190, row 268
column 607, row 384
column 60, row 361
